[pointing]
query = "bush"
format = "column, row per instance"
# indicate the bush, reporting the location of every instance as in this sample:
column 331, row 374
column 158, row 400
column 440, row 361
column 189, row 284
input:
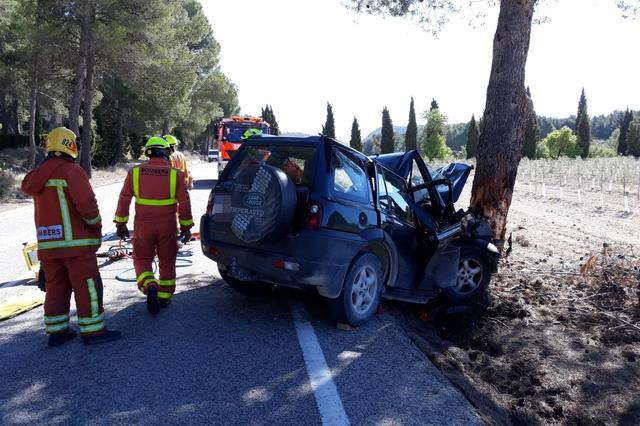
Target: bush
column 7, row 184
column 562, row 143
column 602, row 150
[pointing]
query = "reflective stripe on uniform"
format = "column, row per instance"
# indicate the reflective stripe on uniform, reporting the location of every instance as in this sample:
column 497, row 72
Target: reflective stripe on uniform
column 93, row 221
column 121, row 219
column 143, row 275
column 150, row 201
column 91, row 320
column 167, row 283
column 49, row 320
column 92, row 328
column 164, row 295
column 59, row 184
column 187, row 222
column 72, row 243
column 54, row 328
column 93, row 296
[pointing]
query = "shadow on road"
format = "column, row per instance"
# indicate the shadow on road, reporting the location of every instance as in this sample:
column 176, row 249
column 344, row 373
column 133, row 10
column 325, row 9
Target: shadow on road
column 204, row 184
column 212, row 357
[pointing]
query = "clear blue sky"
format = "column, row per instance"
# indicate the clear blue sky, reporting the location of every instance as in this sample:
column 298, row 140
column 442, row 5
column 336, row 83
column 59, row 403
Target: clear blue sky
column 298, row 54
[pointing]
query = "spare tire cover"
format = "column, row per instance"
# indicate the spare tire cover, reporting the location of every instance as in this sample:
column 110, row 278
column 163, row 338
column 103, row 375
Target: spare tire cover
column 263, row 202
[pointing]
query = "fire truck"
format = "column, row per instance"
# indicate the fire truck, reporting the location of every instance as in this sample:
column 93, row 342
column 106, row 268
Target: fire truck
column 229, row 135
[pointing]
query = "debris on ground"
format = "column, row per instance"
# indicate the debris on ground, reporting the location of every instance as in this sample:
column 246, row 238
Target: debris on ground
column 551, row 345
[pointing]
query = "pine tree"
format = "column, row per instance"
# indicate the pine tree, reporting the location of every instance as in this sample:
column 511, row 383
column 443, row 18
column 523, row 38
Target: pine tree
column 473, row 137
column 434, row 104
column 583, row 127
column 627, row 117
column 411, row 136
column 329, row 128
column 270, row 117
column 386, row 144
column 432, row 139
column 356, row 137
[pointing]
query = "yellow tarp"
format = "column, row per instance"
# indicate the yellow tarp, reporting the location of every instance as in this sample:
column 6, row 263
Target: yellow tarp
column 21, row 304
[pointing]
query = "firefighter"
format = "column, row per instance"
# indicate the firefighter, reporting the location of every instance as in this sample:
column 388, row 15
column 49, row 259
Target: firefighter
column 69, row 234
column 251, row 132
column 178, row 160
column 160, row 192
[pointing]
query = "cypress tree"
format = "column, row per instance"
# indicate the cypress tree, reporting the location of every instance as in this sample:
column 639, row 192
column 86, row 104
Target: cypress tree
column 583, row 127
column 356, row 137
column 434, row 104
column 329, row 128
column 627, row 117
column 411, row 136
column 531, row 134
column 473, row 137
column 387, row 144
column 633, row 138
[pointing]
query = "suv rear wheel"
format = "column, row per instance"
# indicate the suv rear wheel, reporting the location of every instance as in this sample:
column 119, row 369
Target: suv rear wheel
column 360, row 295
column 252, row 288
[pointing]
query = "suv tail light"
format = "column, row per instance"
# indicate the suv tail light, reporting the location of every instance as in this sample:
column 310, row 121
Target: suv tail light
column 314, row 216
column 210, row 203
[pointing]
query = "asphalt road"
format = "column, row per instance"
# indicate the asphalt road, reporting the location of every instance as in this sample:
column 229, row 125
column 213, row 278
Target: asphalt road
column 215, row 357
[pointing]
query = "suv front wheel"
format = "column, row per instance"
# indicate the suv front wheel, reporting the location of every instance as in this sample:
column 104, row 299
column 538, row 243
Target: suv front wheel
column 360, row 295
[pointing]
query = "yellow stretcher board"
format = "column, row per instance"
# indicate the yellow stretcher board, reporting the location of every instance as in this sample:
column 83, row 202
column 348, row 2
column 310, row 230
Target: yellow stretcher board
column 30, row 253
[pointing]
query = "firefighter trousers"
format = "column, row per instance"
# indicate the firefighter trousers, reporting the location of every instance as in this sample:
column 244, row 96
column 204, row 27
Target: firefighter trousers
column 151, row 239
column 78, row 274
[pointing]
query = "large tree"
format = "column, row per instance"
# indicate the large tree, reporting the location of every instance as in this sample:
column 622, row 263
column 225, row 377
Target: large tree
column 583, row 126
column 329, row 128
column 387, row 144
column 411, row 135
column 356, row 138
column 507, row 107
column 625, row 121
column 633, row 138
column 473, row 137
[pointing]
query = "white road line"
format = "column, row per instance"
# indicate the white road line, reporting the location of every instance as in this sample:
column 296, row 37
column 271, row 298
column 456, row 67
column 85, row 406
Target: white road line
column 324, row 390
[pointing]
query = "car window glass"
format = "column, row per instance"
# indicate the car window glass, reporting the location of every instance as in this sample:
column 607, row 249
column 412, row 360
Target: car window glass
column 415, row 180
column 296, row 161
column 382, row 192
column 349, row 178
column 397, row 204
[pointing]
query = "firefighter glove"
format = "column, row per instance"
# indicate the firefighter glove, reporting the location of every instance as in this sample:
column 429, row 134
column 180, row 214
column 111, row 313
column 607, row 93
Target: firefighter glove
column 185, row 236
column 122, row 232
column 41, row 280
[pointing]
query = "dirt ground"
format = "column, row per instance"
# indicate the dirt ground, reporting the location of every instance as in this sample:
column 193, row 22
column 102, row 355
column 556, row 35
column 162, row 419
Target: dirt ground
column 558, row 339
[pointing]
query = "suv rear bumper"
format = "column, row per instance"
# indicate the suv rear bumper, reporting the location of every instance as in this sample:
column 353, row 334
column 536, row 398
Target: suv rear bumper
column 321, row 259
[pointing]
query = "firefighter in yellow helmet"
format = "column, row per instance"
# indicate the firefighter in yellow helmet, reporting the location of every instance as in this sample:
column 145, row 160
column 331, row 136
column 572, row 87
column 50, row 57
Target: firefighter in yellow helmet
column 69, row 226
column 179, row 161
column 160, row 192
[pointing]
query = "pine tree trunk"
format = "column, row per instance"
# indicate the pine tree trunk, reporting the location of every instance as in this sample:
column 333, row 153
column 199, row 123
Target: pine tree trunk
column 87, row 116
column 81, row 69
column 507, row 110
column 119, row 135
column 165, row 127
column 33, row 97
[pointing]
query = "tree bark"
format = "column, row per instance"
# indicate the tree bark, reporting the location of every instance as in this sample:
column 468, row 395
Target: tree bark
column 507, row 110
column 81, row 69
column 165, row 127
column 117, row 156
column 33, row 98
column 87, row 116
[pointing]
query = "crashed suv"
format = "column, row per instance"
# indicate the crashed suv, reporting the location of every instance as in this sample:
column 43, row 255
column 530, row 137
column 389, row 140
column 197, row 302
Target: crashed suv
column 312, row 213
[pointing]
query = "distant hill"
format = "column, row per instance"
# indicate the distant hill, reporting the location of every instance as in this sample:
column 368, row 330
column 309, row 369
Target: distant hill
column 397, row 130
